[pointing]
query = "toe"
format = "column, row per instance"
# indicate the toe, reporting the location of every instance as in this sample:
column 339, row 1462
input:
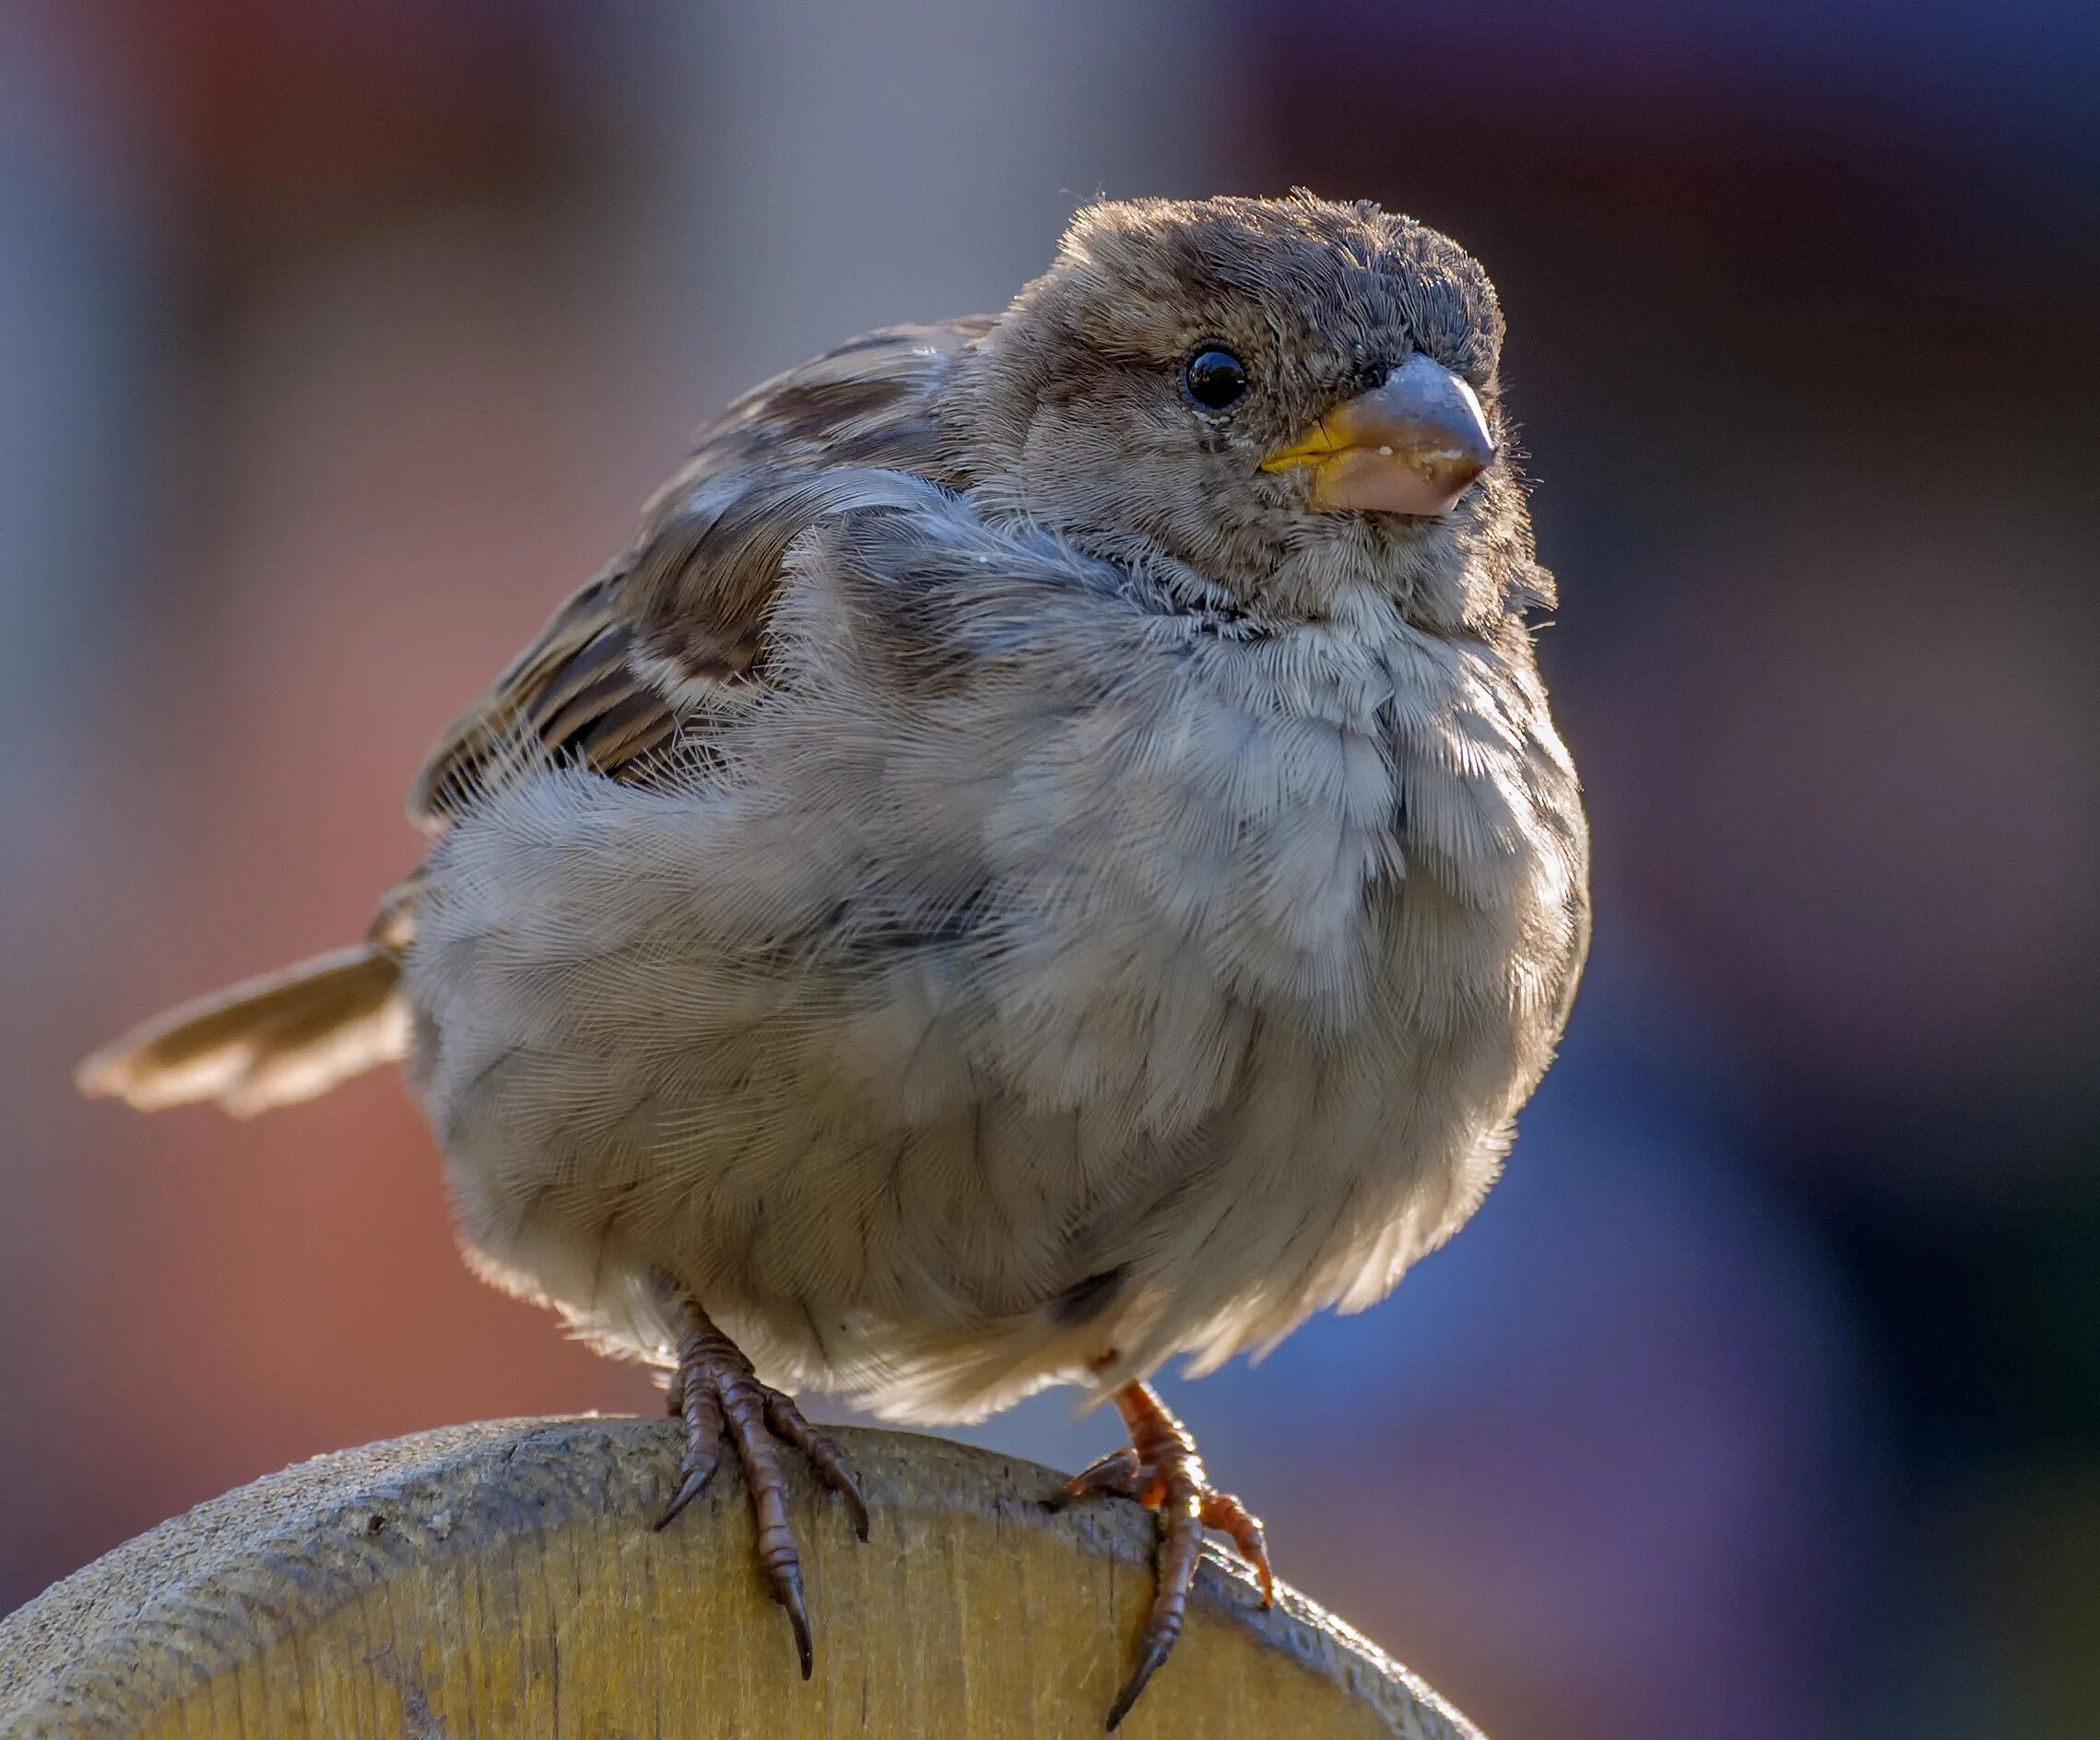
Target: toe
column 1180, row 1550
column 1156, row 1652
column 1225, row 1513
column 1121, row 1474
column 785, row 1422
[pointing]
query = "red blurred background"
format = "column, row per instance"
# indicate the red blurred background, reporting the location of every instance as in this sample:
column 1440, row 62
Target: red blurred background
column 338, row 343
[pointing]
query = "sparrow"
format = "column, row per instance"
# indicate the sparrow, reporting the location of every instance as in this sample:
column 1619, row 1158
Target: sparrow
column 1048, row 853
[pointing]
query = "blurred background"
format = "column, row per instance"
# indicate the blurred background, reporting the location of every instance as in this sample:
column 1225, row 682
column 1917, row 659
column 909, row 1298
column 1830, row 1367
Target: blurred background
column 338, row 343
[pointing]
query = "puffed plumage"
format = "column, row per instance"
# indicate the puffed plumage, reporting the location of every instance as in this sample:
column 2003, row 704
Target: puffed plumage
column 997, row 886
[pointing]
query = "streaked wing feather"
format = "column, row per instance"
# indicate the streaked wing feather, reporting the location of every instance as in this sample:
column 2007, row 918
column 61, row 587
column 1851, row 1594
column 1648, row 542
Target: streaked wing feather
column 476, row 740
column 669, row 634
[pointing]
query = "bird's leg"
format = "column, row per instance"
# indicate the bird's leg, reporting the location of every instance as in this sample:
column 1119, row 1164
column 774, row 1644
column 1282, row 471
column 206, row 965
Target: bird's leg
column 713, row 1391
column 1162, row 1471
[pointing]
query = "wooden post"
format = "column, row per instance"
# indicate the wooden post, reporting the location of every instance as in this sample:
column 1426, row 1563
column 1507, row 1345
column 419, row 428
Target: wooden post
column 503, row 1579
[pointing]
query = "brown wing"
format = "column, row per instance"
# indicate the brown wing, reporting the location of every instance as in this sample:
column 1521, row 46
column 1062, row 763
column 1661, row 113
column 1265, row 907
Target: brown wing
column 671, row 633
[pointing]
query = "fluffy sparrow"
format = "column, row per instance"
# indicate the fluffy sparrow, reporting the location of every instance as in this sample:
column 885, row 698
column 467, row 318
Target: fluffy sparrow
column 1049, row 853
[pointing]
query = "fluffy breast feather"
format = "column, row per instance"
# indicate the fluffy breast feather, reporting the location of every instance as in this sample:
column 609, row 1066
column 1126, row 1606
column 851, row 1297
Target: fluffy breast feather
column 1043, row 921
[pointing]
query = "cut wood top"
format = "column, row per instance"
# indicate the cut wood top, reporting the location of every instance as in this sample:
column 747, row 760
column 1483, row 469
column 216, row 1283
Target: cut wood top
column 504, row 1579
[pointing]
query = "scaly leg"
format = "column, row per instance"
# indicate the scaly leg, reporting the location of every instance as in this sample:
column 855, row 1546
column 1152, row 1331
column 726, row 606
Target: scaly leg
column 714, row 1392
column 1162, row 1471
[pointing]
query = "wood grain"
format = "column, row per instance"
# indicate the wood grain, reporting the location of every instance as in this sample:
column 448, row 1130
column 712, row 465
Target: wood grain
column 502, row 1579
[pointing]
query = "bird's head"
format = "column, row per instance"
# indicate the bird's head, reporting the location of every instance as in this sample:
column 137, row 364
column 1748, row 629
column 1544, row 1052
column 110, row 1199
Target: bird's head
column 1295, row 398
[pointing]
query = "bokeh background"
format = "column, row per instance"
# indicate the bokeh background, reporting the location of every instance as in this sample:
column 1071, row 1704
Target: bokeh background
column 337, row 342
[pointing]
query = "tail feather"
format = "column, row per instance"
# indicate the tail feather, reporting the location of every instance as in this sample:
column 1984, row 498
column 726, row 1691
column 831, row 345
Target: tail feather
column 269, row 1042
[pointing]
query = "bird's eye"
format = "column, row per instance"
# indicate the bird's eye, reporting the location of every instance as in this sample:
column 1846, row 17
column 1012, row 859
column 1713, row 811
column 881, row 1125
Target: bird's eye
column 1215, row 379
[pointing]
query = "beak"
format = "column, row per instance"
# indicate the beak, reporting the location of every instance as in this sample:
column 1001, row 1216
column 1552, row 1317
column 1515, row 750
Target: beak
column 1409, row 445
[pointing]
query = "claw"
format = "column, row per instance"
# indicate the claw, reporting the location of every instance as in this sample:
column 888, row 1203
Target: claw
column 787, row 1590
column 695, row 1484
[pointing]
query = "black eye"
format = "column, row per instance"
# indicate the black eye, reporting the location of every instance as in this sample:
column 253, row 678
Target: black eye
column 1215, row 379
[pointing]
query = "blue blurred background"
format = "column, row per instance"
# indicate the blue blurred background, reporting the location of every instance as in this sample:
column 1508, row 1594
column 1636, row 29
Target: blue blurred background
column 338, row 342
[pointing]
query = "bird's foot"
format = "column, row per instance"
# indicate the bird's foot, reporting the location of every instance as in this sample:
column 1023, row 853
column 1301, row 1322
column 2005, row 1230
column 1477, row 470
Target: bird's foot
column 714, row 1392
column 1162, row 1471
